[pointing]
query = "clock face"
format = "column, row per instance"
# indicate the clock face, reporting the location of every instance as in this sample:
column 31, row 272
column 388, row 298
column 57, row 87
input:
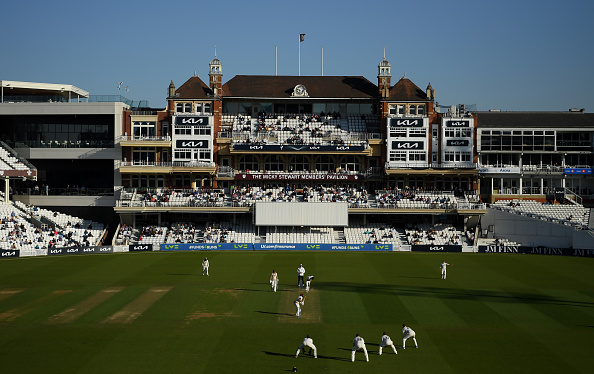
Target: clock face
column 299, row 90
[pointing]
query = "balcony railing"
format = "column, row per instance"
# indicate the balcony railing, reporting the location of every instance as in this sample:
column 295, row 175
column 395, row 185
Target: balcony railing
column 168, row 164
column 432, row 165
column 140, row 138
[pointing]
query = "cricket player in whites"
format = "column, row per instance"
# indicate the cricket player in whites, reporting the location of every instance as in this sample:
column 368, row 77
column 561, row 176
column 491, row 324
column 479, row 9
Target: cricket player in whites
column 205, row 266
column 443, row 268
column 299, row 301
column 359, row 343
column 308, row 282
column 386, row 342
column 273, row 280
column 407, row 332
column 300, row 274
column 307, row 342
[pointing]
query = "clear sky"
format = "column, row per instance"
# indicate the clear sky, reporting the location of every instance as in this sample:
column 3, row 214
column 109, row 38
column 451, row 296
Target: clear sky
column 505, row 54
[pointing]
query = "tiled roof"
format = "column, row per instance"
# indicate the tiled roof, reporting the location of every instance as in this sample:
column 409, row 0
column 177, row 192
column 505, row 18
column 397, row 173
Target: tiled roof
column 194, row 88
column 406, row 90
column 555, row 120
column 280, row 87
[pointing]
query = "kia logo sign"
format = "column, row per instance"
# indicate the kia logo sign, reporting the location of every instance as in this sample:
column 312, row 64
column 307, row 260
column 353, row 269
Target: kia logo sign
column 457, row 143
column 406, row 122
column 191, row 144
column 191, row 120
column 458, row 124
column 407, row 145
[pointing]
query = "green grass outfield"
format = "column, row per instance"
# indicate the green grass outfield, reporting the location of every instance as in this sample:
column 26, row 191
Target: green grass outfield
column 155, row 313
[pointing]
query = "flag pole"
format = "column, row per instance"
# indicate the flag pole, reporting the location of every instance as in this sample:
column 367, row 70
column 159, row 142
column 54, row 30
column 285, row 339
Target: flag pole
column 322, row 61
column 275, row 60
column 299, row 54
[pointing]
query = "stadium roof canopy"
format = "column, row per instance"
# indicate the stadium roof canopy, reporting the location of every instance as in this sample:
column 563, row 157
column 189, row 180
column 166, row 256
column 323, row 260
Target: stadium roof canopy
column 16, row 88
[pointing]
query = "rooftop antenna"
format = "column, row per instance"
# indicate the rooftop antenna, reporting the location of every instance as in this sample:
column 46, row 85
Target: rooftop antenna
column 322, row 61
column 119, row 87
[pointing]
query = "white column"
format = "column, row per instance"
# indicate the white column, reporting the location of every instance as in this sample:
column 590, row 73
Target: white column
column 6, row 189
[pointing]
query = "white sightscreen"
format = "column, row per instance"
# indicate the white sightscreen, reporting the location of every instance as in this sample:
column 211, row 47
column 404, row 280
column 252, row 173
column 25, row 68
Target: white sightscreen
column 302, row 214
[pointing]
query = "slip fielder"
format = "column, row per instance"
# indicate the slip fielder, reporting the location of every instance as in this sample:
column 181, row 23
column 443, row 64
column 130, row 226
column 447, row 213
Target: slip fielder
column 307, row 342
column 386, row 342
column 407, row 332
column 359, row 343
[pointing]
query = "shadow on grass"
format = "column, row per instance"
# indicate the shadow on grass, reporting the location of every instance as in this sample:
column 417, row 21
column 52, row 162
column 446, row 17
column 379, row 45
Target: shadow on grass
column 279, row 354
column 320, row 357
column 252, row 289
column 404, row 276
column 275, row 313
column 450, row 293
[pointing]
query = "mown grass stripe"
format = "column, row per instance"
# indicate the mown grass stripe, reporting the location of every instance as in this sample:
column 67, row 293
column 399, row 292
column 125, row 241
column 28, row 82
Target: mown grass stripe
column 79, row 309
column 135, row 308
column 15, row 313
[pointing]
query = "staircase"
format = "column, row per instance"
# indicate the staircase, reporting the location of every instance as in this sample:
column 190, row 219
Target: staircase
column 339, row 237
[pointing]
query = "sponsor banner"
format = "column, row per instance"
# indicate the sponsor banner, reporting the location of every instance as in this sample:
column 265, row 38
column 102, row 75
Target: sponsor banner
column 298, row 177
column 499, row 249
column 80, row 250
column 18, row 173
column 458, row 123
column 457, row 143
column 578, row 171
column 300, row 148
column 536, row 250
column 321, row 247
column 405, row 122
column 140, row 247
column 510, row 170
column 206, row 246
column 407, row 145
column 198, row 144
column 191, row 120
column 5, row 253
column 436, row 248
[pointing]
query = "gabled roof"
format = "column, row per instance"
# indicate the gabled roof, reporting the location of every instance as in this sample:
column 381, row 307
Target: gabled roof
column 519, row 120
column 194, row 88
column 406, row 90
column 281, row 87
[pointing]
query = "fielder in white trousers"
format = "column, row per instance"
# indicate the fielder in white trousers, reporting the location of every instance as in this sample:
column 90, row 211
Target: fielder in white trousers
column 308, row 282
column 386, row 342
column 205, row 266
column 444, row 269
column 274, row 280
column 359, row 343
column 407, row 332
column 307, row 342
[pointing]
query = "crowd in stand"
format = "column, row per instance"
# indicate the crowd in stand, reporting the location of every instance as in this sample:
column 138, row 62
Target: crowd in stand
column 247, row 195
column 250, row 195
column 17, row 232
column 436, row 234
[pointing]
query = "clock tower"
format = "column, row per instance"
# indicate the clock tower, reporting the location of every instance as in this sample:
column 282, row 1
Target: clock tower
column 216, row 76
column 383, row 78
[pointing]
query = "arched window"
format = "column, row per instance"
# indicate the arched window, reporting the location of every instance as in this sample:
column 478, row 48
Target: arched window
column 274, row 163
column 325, row 163
column 299, row 163
column 350, row 163
column 248, row 162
